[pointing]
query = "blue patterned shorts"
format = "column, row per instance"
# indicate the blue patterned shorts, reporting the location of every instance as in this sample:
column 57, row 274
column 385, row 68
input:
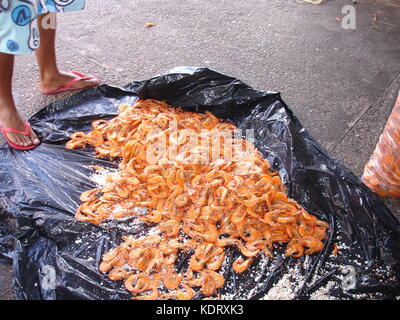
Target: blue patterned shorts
column 19, row 33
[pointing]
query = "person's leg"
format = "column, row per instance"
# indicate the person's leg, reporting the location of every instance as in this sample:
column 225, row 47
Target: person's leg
column 9, row 116
column 50, row 76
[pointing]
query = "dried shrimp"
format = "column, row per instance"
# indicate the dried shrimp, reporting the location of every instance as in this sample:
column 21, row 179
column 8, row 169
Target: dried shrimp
column 200, row 203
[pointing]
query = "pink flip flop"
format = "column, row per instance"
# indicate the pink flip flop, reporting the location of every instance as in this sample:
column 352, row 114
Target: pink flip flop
column 69, row 85
column 13, row 145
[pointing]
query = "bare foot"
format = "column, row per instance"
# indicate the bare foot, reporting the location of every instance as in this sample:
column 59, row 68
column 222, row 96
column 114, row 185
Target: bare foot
column 52, row 82
column 14, row 121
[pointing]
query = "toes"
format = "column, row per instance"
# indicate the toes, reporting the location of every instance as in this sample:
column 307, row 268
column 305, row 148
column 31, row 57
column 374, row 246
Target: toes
column 89, row 82
column 19, row 140
column 13, row 138
column 25, row 141
column 34, row 138
column 93, row 82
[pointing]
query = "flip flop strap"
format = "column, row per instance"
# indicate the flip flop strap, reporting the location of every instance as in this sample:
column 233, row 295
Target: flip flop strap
column 69, row 85
column 83, row 76
column 79, row 74
column 72, row 82
column 26, row 133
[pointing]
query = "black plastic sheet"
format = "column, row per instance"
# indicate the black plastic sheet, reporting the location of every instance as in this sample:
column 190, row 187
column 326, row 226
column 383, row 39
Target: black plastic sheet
column 56, row 257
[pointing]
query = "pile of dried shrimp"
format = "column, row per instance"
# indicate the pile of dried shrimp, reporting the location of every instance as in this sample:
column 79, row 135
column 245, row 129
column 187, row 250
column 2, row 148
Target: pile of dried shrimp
column 200, row 207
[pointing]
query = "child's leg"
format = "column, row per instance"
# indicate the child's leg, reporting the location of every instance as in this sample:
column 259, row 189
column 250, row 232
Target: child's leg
column 50, row 76
column 9, row 116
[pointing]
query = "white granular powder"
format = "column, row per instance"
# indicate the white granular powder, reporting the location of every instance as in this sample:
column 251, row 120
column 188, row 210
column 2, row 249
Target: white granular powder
column 152, row 231
column 102, row 179
column 287, row 286
column 101, row 175
column 323, row 293
column 140, row 210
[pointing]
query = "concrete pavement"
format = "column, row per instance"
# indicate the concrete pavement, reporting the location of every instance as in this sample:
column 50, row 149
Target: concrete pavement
column 340, row 83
